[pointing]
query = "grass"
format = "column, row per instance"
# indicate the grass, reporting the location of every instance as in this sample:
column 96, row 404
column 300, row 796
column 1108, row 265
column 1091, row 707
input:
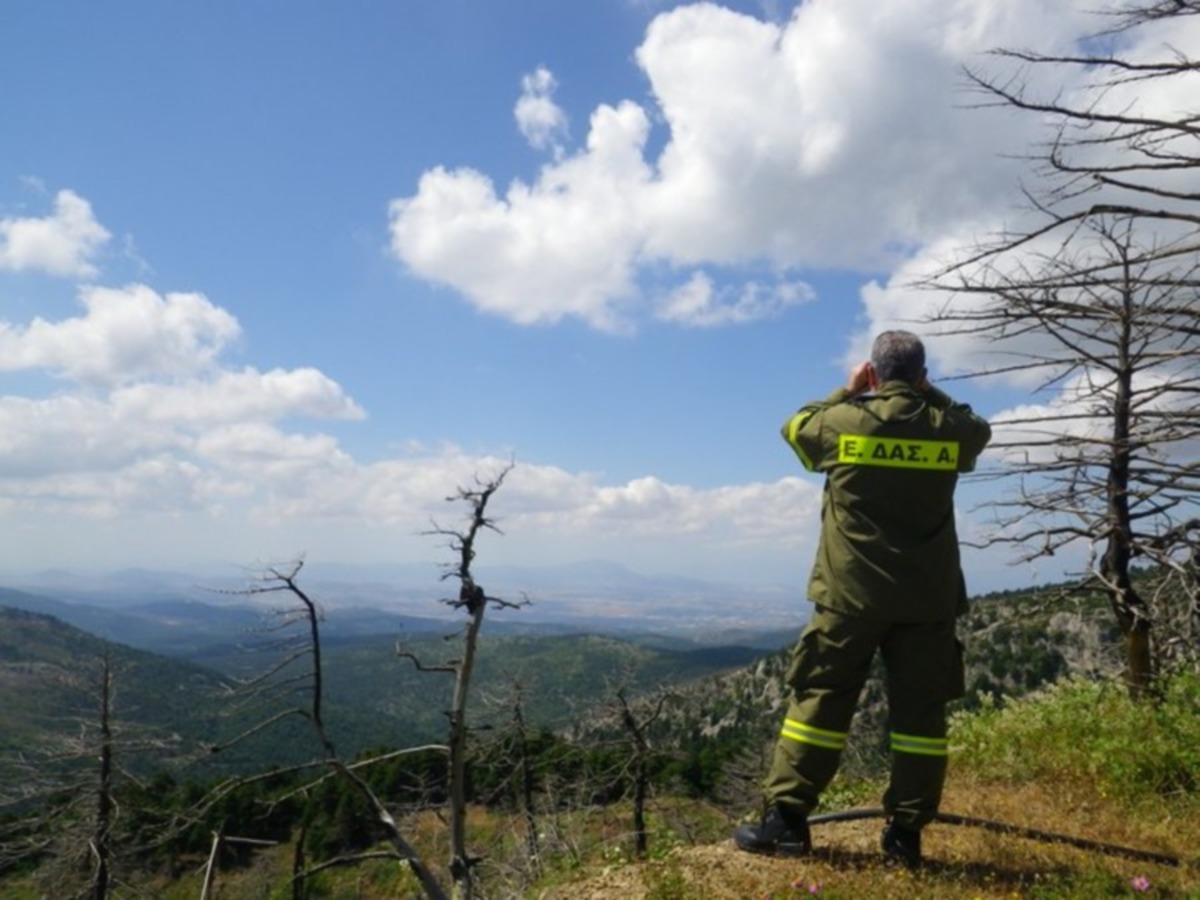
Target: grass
column 1091, row 732
column 1079, row 759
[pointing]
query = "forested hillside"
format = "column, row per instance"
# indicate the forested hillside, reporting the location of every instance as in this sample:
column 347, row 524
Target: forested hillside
column 49, row 675
column 1015, row 642
column 559, row 708
column 50, row 685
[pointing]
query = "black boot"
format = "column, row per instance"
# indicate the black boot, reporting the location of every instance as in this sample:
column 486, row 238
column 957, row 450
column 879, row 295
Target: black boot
column 780, row 833
column 902, row 845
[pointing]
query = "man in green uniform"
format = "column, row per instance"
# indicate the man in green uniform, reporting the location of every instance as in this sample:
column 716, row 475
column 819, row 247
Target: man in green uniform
column 887, row 577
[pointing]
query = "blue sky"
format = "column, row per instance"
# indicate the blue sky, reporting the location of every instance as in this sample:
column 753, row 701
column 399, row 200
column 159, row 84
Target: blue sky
column 276, row 277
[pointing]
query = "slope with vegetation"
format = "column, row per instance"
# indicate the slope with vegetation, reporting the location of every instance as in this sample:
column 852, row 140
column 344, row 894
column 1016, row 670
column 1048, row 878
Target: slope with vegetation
column 553, row 814
column 49, row 677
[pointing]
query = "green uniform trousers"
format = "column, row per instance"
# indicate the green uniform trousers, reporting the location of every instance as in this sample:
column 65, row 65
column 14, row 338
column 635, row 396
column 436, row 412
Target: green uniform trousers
column 830, row 664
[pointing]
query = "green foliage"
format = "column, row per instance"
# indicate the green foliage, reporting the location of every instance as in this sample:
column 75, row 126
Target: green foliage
column 1089, row 730
column 846, row 793
column 664, row 880
column 1083, row 885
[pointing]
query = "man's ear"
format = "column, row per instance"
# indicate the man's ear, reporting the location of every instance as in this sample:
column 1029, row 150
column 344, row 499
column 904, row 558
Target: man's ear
column 872, row 378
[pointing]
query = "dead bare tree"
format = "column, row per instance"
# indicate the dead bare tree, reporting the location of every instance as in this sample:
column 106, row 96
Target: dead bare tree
column 277, row 579
column 641, row 753
column 474, row 601
column 508, row 772
column 99, row 844
column 1098, row 301
column 60, row 801
column 1109, row 461
column 525, row 768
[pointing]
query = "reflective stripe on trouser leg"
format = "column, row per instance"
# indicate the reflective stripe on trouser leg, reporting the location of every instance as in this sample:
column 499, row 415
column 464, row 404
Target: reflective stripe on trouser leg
column 829, row 665
column 806, row 759
column 809, row 734
column 921, row 746
column 918, row 774
column 924, row 670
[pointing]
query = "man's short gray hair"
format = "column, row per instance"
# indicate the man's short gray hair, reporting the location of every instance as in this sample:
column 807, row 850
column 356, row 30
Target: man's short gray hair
column 898, row 356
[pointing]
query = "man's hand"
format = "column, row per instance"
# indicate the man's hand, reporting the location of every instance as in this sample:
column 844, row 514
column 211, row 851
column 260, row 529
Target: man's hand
column 862, row 378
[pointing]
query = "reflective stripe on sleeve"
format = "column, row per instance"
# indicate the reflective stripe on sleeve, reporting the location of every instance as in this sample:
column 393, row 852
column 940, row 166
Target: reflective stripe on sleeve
column 871, row 450
column 922, row 746
column 792, row 429
column 818, row 737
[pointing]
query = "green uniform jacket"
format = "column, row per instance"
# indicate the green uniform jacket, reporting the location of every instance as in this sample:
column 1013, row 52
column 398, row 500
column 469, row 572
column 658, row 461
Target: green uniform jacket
column 891, row 460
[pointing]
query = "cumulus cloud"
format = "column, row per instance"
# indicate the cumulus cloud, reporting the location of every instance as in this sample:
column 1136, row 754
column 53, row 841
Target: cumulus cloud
column 126, row 334
column 63, row 243
column 262, row 474
column 540, row 502
column 895, row 302
column 154, row 422
column 70, row 434
column 1076, row 419
column 562, row 247
column 148, row 398
column 703, row 304
column 542, row 121
column 221, row 420
column 237, row 396
column 774, row 135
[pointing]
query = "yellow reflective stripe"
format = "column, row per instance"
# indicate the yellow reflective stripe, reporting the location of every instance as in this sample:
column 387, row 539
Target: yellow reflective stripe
column 818, row 737
column 869, row 450
column 795, row 423
column 923, row 746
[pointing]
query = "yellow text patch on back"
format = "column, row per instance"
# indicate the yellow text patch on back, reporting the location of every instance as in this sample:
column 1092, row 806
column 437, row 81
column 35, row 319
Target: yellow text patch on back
column 864, row 450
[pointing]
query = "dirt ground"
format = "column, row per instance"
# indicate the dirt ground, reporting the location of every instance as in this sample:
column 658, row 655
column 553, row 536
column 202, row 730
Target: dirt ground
column 961, row 862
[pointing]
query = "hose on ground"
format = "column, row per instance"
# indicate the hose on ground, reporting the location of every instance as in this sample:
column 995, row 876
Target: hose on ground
column 1033, row 834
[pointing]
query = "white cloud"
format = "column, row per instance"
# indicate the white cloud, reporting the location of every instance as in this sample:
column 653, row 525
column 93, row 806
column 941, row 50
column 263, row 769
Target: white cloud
column 902, row 303
column 126, row 334
column 193, row 420
column 541, row 120
column 150, row 485
column 538, row 503
column 897, row 303
column 1078, row 411
column 701, row 303
column 251, row 491
column 648, row 505
column 64, row 243
column 66, row 434
column 1021, row 356
column 160, row 430
column 146, row 397
column 836, row 138
column 562, row 247
column 230, row 397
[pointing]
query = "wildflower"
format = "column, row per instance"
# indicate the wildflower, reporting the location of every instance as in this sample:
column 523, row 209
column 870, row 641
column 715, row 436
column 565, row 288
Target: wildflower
column 1141, row 884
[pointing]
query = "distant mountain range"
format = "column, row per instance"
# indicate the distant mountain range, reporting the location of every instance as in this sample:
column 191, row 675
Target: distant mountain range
column 175, row 657
column 564, row 666
column 180, row 613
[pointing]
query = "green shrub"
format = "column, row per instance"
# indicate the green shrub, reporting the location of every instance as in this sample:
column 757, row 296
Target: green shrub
column 1078, row 729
